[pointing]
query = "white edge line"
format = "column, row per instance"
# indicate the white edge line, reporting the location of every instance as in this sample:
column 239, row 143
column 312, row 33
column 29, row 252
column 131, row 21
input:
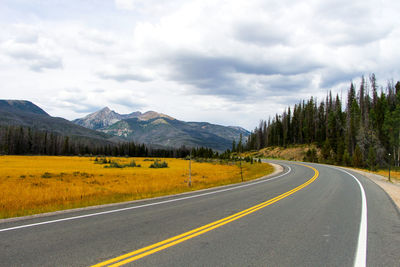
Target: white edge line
column 145, row 205
column 360, row 259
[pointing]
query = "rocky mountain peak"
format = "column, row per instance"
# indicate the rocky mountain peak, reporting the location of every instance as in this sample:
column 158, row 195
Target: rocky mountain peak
column 105, row 110
column 152, row 115
column 99, row 119
column 106, row 117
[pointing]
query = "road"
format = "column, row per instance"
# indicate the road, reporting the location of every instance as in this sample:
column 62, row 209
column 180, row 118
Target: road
column 310, row 215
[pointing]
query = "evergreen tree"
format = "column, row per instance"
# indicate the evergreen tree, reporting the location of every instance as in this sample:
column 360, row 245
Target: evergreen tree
column 357, row 158
column 371, row 159
column 367, row 122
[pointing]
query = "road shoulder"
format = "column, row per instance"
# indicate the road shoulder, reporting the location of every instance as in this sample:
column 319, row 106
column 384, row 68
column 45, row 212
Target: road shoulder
column 391, row 188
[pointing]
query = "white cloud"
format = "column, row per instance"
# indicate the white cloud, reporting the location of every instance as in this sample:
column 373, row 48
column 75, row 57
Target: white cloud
column 125, row 4
column 36, row 52
column 242, row 60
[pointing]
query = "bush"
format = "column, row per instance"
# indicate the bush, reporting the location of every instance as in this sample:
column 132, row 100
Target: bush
column 311, row 155
column 115, row 164
column 158, row 164
column 132, row 164
column 47, row 175
column 101, row 161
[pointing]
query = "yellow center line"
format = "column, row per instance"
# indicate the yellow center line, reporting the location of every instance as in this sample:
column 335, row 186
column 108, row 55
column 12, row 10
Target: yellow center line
column 143, row 252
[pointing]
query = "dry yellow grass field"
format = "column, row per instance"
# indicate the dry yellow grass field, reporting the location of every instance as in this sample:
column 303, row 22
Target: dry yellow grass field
column 36, row 184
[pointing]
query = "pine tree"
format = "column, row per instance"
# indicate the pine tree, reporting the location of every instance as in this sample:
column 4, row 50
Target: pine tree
column 371, row 159
column 357, row 158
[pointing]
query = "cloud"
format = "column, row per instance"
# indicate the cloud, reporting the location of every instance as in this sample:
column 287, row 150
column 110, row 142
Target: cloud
column 129, row 102
column 264, row 35
column 233, row 76
column 125, row 4
column 123, row 77
column 93, row 42
column 124, row 74
column 242, row 59
column 31, row 49
column 73, row 99
column 32, row 56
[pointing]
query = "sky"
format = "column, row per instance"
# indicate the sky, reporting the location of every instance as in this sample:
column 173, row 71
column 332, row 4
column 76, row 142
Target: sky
column 226, row 62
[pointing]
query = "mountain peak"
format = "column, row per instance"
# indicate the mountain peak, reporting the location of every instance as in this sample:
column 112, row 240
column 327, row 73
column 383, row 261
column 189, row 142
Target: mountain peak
column 99, row 119
column 152, row 115
column 106, row 117
column 106, row 109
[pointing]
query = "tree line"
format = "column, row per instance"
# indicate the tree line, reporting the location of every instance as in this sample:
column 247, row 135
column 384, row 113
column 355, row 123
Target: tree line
column 363, row 132
column 20, row 140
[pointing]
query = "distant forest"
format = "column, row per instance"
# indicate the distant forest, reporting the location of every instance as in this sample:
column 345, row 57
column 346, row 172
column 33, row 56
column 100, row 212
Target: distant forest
column 20, row 140
column 362, row 134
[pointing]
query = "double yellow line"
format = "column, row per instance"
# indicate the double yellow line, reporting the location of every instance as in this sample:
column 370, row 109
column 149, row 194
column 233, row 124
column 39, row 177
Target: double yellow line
column 143, row 252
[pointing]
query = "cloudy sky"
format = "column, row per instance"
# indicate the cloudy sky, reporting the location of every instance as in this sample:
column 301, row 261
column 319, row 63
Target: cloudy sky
column 227, row 62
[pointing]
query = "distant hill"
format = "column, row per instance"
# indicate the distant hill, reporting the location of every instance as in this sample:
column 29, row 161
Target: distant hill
column 27, row 114
column 162, row 130
column 21, row 106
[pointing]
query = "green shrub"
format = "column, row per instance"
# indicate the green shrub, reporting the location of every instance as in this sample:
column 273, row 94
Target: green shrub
column 101, row 161
column 158, row 164
column 47, row 175
column 114, row 164
column 132, row 164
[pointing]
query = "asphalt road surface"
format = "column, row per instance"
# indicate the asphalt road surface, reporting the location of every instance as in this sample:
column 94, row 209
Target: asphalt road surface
column 309, row 215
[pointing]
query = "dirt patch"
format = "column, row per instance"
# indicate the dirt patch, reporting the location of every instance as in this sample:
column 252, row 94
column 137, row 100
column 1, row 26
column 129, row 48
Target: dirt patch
column 277, row 169
column 296, row 153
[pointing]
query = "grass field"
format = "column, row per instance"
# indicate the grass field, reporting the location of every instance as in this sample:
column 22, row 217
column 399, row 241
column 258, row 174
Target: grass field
column 37, row 184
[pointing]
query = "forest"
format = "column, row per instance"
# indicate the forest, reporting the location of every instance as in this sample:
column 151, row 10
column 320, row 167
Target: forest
column 363, row 132
column 20, row 140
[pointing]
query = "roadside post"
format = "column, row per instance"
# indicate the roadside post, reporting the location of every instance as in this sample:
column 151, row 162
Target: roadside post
column 190, row 169
column 241, row 171
column 390, row 159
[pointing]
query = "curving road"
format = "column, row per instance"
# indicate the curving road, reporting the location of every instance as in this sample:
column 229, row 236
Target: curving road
column 310, row 215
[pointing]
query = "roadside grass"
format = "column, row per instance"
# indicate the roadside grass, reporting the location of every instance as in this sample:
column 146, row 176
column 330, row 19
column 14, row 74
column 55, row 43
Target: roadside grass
column 298, row 152
column 292, row 152
column 37, row 184
column 394, row 174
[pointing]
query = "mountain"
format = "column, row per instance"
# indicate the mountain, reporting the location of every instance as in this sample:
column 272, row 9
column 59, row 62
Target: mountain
column 27, row 114
column 158, row 129
column 21, row 106
column 99, row 119
column 106, row 117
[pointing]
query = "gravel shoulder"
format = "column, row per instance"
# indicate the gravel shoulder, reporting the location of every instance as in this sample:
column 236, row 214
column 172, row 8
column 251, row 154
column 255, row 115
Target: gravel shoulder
column 391, row 188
